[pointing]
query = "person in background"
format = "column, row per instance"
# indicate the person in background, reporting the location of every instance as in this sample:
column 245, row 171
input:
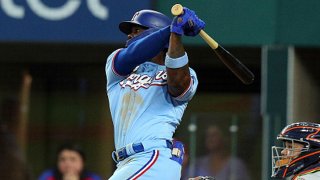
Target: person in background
column 218, row 163
column 13, row 165
column 70, row 165
column 299, row 157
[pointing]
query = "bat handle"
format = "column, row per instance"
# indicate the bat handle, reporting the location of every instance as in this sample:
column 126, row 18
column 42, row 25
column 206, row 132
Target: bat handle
column 177, row 10
column 211, row 42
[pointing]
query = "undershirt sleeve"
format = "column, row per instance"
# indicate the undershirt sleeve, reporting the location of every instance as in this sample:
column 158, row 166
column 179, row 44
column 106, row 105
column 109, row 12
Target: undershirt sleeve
column 140, row 51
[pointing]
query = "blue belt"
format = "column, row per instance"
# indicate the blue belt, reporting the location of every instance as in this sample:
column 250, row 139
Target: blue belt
column 131, row 149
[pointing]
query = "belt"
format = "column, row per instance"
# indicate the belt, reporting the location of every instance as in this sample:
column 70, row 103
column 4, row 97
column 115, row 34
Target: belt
column 134, row 148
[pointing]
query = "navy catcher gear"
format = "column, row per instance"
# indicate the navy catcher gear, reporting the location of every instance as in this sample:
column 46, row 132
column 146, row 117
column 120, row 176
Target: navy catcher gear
column 304, row 133
column 146, row 19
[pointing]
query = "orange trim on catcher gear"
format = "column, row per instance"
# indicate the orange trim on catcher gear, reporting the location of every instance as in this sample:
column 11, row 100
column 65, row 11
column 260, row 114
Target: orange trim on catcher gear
column 308, row 137
column 295, row 160
column 299, row 128
column 307, row 172
column 285, row 172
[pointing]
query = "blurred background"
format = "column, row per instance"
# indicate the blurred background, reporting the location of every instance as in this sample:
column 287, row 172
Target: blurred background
column 52, row 80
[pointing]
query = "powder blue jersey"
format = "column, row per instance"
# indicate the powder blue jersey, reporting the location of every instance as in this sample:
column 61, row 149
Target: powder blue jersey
column 140, row 104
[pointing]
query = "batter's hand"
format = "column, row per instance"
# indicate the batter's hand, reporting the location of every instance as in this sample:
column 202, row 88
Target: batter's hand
column 194, row 25
column 187, row 23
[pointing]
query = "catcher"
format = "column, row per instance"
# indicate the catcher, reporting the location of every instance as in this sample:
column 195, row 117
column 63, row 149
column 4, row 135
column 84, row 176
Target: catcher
column 300, row 156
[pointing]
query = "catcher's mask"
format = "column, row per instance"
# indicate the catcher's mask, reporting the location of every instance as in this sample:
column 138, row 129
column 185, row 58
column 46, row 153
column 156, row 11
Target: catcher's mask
column 289, row 160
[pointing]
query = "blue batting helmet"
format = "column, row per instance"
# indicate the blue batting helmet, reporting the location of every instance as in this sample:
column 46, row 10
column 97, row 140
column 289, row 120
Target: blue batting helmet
column 147, row 19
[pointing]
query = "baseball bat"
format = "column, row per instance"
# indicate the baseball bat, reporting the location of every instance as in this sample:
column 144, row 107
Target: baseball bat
column 235, row 65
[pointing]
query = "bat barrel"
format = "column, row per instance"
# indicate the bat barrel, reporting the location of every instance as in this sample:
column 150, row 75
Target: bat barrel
column 238, row 69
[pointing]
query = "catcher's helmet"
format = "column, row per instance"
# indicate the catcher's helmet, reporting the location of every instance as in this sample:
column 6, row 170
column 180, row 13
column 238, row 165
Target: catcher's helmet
column 147, row 19
column 305, row 133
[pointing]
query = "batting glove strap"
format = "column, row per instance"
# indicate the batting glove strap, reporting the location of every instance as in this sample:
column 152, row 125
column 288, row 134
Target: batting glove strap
column 194, row 25
column 175, row 63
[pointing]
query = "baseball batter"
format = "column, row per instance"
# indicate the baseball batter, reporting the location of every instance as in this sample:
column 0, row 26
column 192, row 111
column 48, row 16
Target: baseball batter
column 149, row 84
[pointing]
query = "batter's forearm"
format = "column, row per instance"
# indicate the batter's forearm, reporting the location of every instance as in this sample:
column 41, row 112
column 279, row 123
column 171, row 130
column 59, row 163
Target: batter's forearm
column 176, row 48
column 178, row 78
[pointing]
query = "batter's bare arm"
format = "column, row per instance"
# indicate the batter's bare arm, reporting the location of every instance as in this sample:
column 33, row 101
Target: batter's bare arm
column 178, row 78
column 186, row 24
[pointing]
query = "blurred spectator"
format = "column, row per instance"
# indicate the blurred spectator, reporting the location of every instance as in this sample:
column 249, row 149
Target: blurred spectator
column 12, row 161
column 70, row 165
column 218, row 162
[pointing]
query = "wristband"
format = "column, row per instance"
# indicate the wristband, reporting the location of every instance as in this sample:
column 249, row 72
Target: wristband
column 175, row 63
